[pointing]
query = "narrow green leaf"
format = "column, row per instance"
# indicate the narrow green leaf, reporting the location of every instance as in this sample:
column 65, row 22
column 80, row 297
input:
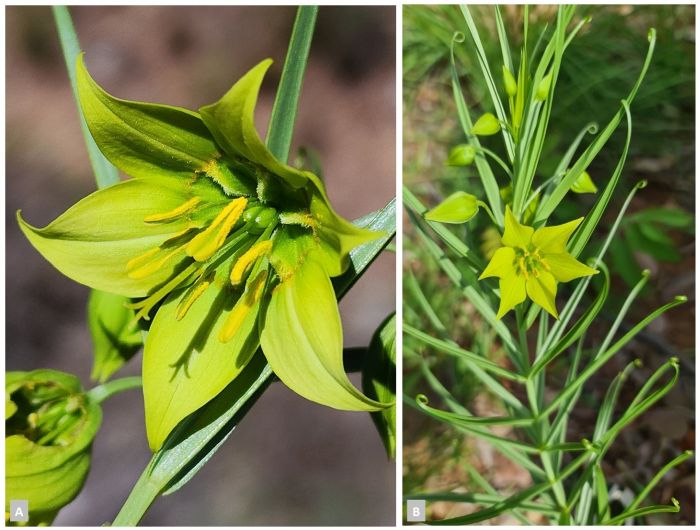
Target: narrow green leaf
column 594, row 148
column 656, row 478
column 284, row 109
column 411, row 284
column 503, row 40
column 490, row 83
column 514, row 500
column 643, row 402
column 601, row 488
column 508, row 450
column 608, row 354
column 481, row 498
column 642, row 512
column 488, row 180
column 474, row 429
column 578, row 329
column 379, row 380
column 105, row 173
column 470, row 357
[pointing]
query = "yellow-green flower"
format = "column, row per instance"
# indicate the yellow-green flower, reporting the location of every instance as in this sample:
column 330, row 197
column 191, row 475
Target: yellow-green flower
column 226, row 248
column 532, row 262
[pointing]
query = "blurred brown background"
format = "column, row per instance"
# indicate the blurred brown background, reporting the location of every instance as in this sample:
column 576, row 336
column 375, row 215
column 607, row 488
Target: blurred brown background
column 290, row 462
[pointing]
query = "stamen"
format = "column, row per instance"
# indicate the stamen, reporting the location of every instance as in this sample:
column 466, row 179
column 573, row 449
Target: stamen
column 297, row 218
column 246, row 260
column 523, row 268
column 190, row 299
column 243, row 307
column 142, row 266
column 144, row 306
column 174, row 213
column 205, row 244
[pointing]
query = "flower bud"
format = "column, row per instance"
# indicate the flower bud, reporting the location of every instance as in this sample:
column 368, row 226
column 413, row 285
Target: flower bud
column 486, row 125
column 49, row 427
column 584, row 184
column 461, row 155
column 509, row 82
column 543, row 88
column 458, row 208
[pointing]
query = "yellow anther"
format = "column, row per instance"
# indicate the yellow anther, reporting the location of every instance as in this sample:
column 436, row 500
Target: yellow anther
column 174, row 213
column 523, row 268
column 246, row 260
column 205, row 244
column 190, row 299
column 298, row 218
column 143, row 265
column 245, row 303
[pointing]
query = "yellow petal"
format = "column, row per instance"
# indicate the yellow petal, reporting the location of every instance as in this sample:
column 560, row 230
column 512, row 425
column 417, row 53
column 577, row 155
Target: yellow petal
column 553, row 239
column 515, row 234
column 564, row 267
column 542, row 289
column 512, row 293
column 501, row 264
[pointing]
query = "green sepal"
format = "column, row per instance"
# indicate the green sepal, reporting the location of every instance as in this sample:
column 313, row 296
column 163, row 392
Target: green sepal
column 379, row 380
column 93, row 240
column 458, row 208
column 48, row 476
column 185, row 364
column 142, row 139
column 115, row 339
column 302, row 339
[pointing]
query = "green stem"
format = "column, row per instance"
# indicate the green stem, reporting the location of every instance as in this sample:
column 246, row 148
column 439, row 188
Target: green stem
column 496, row 159
column 486, row 208
column 140, row 498
column 99, row 393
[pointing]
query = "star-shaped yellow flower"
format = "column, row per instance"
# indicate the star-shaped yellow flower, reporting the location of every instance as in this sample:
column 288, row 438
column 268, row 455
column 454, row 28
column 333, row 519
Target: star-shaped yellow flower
column 531, row 262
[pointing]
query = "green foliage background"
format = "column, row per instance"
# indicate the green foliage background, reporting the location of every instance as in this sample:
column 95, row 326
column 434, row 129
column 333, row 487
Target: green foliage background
column 599, row 68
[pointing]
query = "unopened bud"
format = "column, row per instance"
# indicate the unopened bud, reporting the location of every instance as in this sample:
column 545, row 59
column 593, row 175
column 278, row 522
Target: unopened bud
column 458, row 208
column 544, row 87
column 461, row 155
column 509, row 82
column 486, row 125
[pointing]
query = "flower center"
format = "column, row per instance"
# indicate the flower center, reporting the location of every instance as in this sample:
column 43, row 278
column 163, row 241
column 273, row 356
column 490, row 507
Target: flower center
column 230, row 245
column 47, row 414
column 529, row 261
